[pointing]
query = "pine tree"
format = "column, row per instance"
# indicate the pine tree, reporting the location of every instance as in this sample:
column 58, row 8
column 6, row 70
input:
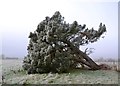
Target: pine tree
column 54, row 45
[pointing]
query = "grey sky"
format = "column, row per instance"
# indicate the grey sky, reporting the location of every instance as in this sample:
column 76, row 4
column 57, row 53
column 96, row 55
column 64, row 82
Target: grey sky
column 19, row 17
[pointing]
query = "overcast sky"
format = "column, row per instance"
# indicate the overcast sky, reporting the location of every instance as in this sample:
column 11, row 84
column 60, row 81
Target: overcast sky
column 19, row 17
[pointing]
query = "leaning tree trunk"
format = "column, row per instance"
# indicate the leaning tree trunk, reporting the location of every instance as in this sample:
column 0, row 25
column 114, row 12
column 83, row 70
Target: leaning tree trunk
column 81, row 56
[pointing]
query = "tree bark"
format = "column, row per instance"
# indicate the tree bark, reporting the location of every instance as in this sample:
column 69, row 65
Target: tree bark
column 83, row 58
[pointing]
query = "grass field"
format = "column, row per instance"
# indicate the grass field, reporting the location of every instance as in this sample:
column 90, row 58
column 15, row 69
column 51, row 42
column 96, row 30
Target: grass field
column 13, row 73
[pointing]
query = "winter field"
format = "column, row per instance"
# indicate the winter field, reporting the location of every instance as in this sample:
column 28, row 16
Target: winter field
column 12, row 73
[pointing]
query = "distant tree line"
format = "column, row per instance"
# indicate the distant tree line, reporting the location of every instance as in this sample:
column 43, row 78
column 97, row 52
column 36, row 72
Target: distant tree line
column 4, row 57
column 101, row 59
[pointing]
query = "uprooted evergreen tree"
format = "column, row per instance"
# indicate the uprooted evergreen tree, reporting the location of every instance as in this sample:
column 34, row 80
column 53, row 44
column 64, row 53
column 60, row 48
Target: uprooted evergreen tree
column 55, row 46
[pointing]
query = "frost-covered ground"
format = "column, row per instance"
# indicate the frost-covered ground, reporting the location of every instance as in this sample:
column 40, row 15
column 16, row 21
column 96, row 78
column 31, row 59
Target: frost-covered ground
column 14, row 74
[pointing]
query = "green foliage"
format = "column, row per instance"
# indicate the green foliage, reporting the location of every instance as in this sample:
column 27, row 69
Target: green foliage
column 47, row 51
